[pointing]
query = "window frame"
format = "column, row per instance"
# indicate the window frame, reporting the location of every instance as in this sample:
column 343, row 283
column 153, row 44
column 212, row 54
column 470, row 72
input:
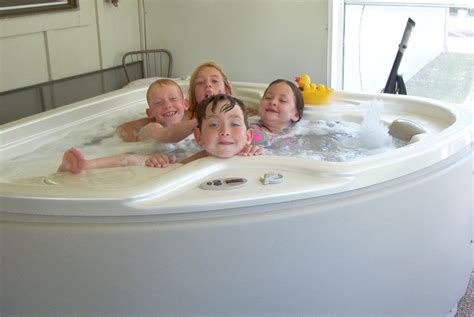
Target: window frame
column 36, row 7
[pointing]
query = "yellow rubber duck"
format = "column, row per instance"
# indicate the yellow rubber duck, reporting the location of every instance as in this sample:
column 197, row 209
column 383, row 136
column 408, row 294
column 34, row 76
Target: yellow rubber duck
column 313, row 94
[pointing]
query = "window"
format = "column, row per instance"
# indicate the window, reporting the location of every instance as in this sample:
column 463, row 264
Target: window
column 438, row 62
column 19, row 7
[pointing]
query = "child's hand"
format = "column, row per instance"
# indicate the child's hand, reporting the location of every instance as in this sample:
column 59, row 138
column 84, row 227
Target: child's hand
column 126, row 133
column 149, row 131
column 160, row 160
column 252, row 150
column 128, row 130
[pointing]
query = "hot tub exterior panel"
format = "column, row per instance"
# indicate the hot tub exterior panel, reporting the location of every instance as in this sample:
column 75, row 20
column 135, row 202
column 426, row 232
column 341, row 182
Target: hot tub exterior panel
column 393, row 248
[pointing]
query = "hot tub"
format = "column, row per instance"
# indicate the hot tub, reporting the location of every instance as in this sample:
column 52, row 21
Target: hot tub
column 387, row 234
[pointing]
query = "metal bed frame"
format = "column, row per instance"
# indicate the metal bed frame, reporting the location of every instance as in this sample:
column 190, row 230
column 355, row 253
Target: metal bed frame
column 152, row 62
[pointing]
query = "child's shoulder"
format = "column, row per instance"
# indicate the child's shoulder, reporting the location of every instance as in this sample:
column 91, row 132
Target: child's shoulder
column 260, row 135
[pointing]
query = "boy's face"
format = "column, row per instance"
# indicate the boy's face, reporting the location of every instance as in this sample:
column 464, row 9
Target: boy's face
column 209, row 82
column 223, row 134
column 166, row 105
column 278, row 105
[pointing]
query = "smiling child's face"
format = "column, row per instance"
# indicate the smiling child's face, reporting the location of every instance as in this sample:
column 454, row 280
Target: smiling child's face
column 223, row 134
column 278, row 107
column 166, row 105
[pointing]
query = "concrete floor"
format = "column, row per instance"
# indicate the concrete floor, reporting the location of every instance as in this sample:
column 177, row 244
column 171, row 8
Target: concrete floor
column 466, row 304
column 449, row 77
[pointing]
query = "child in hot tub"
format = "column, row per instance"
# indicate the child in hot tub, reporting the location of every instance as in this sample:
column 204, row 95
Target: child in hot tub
column 222, row 131
column 281, row 106
column 165, row 113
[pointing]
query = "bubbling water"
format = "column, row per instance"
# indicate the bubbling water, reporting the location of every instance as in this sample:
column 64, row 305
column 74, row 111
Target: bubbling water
column 336, row 141
column 329, row 140
column 94, row 138
column 372, row 132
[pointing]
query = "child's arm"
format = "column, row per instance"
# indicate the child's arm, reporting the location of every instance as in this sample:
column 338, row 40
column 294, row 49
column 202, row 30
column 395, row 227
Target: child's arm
column 128, row 131
column 163, row 160
column 119, row 160
column 172, row 134
column 75, row 162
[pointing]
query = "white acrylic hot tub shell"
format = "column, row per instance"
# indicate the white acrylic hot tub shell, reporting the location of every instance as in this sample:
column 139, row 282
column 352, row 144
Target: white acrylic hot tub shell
column 387, row 234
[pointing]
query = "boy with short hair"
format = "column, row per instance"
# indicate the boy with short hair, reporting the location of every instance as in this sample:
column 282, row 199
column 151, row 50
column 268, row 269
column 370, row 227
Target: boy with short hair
column 223, row 131
column 165, row 113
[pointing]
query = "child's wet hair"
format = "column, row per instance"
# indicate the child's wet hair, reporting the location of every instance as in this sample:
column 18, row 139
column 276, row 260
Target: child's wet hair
column 163, row 82
column 299, row 101
column 213, row 101
column 192, row 83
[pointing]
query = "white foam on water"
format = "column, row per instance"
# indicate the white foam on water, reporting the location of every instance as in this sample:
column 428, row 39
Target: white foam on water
column 373, row 133
column 94, row 138
column 337, row 141
column 329, row 140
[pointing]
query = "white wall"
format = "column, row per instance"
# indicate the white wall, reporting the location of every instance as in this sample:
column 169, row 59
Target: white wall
column 42, row 47
column 254, row 40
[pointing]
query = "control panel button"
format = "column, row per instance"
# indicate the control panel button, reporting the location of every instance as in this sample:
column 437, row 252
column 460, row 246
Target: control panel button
column 224, row 183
